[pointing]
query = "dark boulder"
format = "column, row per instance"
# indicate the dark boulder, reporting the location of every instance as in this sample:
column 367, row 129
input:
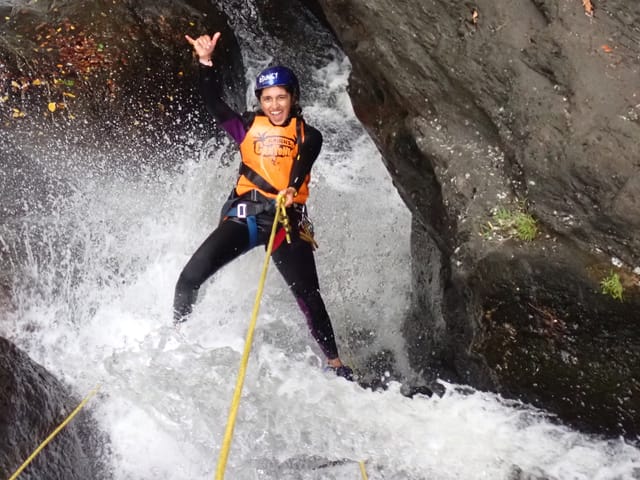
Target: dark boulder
column 33, row 404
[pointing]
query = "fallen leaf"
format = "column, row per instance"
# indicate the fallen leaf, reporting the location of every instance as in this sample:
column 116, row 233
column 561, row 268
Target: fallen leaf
column 17, row 113
column 588, row 7
column 68, row 94
column 52, row 107
column 607, row 48
column 474, row 16
column 15, row 84
column 37, row 82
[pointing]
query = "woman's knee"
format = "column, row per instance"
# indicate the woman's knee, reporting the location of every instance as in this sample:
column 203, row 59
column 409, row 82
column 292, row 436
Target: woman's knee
column 189, row 279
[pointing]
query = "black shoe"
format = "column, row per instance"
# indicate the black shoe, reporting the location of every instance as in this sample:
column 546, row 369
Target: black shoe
column 342, row 371
column 179, row 321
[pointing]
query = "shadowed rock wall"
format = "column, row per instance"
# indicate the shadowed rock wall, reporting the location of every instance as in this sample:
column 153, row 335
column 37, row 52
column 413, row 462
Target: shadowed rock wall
column 488, row 112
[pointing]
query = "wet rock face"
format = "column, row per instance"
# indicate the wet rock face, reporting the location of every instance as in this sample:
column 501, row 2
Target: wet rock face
column 33, row 403
column 120, row 72
column 530, row 107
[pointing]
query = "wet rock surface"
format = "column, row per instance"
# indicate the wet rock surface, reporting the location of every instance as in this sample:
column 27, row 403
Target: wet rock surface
column 528, row 107
column 33, row 404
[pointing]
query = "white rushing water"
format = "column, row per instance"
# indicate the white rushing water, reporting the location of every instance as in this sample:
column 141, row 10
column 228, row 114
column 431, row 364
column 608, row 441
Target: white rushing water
column 97, row 310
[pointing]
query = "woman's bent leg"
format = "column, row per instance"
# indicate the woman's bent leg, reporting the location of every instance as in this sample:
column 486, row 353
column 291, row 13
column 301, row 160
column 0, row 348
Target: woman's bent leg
column 296, row 264
column 225, row 243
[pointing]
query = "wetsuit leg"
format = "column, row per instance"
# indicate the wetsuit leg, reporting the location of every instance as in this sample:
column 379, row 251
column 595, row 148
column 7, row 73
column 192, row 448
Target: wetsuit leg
column 225, row 243
column 296, row 264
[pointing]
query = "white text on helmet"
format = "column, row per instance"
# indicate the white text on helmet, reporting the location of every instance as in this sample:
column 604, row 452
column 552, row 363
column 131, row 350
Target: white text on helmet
column 270, row 77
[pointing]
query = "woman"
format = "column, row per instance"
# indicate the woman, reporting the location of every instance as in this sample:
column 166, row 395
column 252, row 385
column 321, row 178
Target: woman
column 278, row 150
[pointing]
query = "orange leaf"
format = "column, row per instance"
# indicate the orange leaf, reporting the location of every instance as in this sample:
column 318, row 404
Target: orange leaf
column 607, row 48
column 474, row 16
column 588, row 7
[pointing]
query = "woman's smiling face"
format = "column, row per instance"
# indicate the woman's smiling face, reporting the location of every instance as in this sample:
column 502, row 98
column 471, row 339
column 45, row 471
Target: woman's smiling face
column 276, row 104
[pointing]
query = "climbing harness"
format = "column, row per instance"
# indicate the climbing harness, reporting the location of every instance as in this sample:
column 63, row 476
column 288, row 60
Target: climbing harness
column 55, row 432
column 248, row 206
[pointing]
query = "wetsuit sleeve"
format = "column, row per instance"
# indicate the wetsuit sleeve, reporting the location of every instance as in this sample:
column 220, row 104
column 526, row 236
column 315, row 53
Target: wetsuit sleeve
column 231, row 121
column 309, row 151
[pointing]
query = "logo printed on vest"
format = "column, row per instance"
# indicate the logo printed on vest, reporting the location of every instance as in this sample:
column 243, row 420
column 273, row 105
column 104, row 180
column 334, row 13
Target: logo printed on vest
column 273, row 147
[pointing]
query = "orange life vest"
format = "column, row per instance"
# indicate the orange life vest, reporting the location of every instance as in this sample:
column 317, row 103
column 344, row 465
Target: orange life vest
column 271, row 151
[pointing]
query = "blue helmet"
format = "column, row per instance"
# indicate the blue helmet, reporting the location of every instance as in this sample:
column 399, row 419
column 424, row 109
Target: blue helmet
column 278, row 76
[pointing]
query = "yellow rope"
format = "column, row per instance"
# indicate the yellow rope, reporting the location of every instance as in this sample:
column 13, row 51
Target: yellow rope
column 363, row 471
column 235, row 403
column 55, row 432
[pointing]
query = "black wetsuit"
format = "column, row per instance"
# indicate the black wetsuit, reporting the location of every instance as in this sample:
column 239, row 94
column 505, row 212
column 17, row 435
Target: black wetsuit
column 231, row 238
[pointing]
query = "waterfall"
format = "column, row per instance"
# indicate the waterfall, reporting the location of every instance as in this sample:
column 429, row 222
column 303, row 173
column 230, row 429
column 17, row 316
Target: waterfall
column 94, row 263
